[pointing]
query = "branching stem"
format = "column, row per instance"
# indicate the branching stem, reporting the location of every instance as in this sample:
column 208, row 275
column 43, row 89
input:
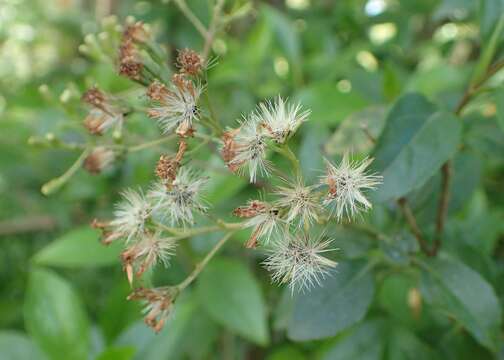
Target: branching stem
column 201, row 265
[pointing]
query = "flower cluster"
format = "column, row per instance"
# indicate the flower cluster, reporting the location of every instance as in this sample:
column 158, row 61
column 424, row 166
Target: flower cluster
column 150, row 222
column 246, row 146
column 284, row 224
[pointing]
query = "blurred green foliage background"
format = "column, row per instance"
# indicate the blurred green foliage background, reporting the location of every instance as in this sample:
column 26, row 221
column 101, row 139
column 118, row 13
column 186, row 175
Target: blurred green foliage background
column 348, row 61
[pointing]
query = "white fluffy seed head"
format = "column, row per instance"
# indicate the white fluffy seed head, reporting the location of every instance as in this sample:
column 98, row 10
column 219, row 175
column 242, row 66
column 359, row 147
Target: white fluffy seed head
column 156, row 249
column 279, row 119
column 131, row 214
column 301, row 202
column 299, row 261
column 177, row 107
column 251, row 150
column 347, row 183
column 177, row 201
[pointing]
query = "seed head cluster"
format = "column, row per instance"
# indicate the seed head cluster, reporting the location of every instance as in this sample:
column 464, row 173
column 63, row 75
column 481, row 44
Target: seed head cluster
column 150, row 222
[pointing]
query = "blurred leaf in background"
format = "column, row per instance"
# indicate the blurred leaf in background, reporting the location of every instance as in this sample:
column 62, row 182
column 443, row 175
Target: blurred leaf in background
column 418, row 85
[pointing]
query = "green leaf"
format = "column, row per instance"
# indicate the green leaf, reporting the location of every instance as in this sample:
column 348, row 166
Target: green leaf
column 55, row 317
column 78, row 248
column 117, row 353
column 365, row 342
column 188, row 333
column 413, row 146
column 116, row 313
column 341, row 300
column 314, row 136
column 351, row 135
column 286, row 34
column 490, row 12
column 499, row 102
column 286, row 353
column 328, row 105
column 463, row 294
column 404, row 345
column 17, row 346
column 230, row 294
column 379, row 339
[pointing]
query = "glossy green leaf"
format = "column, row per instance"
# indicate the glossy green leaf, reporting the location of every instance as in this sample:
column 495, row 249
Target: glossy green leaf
column 17, row 346
column 341, row 300
column 55, row 317
column 79, row 248
column 230, row 294
column 413, row 146
column 463, row 294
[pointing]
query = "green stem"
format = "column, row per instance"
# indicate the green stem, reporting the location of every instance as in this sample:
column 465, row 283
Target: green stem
column 55, row 184
column 183, row 234
column 289, row 155
column 192, row 18
column 150, row 143
column 201, row 265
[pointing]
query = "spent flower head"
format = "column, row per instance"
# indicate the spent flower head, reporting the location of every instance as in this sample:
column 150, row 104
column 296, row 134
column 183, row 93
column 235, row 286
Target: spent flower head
column 131, row 215
column 189, row 62
column 280, row 119
column 250, row 150
column 298, row 260
column 104, row 113
column 263, row 218
column 158, row 304
column 177, row 106
column 177, row 200
column 347, row 183
column 146, row 252
column 301, row 202
column 100, row 158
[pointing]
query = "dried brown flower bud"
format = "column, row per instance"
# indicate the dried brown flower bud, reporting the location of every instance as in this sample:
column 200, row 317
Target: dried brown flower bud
column 166, row 168
column 185, row 130
column 183, row 84
column 262, row 216
column 108, row 235
column 253, row 208
column 159, row 304
column 94, row 97
column 157, row 91
column 93, row 123
column 104, row 114
column 131, row 69
column 229, row 149
column 98, row 160
column 189, row 62
column 136, row 32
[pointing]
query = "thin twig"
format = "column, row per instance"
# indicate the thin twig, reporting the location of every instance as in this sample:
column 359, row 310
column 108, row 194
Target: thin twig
column 446, row 171
column 192, row 18
column 447, row 168
column 410, row 219
column 151, row 143
column 33, row 223
column 212, row 29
